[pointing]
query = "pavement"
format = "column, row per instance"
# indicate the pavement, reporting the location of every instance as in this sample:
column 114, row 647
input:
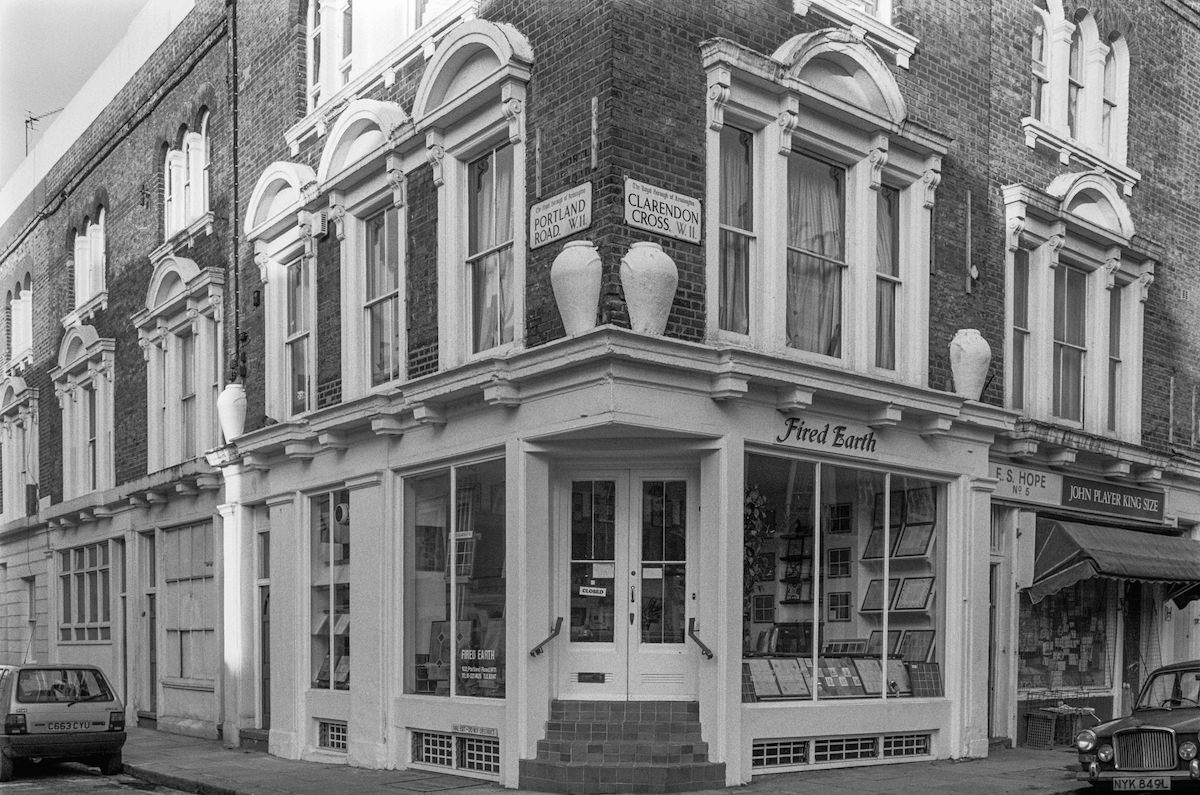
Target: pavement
column 205, row 766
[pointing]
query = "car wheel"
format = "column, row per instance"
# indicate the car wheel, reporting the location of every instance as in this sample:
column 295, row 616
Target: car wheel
column 112, row 764
column 6, row 767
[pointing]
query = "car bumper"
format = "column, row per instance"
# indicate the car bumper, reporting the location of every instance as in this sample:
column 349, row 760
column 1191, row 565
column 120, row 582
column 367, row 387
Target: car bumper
column 68, row 745
column 1094, row 775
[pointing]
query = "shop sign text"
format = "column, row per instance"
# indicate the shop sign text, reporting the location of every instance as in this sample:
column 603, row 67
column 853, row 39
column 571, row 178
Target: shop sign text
column 478, row 664
column 480, row 731
column 1113, row 499
column 560, row 216
column 1028, row 485
column 659, row 210
column 837, row 437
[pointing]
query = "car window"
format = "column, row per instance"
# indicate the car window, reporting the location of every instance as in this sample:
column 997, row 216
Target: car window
column 1161, row 688
column 1189, row 687
column 52, row 685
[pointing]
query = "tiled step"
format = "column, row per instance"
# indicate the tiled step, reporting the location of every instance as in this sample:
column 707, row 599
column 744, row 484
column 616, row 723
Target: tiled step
column 626, row 730
column 546, row 776
column 629, row 751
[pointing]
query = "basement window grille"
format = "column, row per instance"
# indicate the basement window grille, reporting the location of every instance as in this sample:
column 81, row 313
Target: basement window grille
column 905, row 745
column 844, row 749
column 331, row 735
column 779, row 753
column 457, row 752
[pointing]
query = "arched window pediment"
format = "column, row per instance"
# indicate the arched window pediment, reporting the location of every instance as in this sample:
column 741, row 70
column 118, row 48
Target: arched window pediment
column 76, row 344
column 276, row 197
column 360, row 131
column 842, row 66
column 14, row 393
column 470, row 65
column 1093, row 197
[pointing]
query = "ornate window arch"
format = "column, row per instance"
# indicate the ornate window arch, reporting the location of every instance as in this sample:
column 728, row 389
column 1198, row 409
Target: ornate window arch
column 470, row 108
column 19, row 306
column 186, row 166
column 1076, row 285
column 179, row 331
column 822, row 122
column 83, row 384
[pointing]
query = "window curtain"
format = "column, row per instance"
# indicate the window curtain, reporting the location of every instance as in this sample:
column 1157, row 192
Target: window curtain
column 490, row 234
column 737, row 213
column 816, row 255
column 887, row 268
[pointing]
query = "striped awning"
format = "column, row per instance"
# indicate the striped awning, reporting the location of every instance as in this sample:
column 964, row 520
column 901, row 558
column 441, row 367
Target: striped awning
column 1068, row 552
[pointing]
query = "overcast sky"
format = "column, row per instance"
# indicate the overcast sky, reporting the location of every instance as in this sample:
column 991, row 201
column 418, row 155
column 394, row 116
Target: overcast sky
column 48, row 48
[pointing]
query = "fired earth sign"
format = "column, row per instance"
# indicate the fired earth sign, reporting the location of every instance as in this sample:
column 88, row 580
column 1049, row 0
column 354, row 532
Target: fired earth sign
column 659, row 210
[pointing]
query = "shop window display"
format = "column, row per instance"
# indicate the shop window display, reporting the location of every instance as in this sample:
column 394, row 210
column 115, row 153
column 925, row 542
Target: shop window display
column 1067, row 640
column 856, row 608
column 331, row 591
column 455, row 548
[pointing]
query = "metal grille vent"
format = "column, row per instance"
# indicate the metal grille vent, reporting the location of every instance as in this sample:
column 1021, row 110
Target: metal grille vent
column 779, row 753
column 331, row 735
column 844, row 749
column 905, row 745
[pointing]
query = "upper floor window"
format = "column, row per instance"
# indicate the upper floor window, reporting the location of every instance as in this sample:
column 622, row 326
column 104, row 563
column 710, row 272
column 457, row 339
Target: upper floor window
column 19, row 305
column 825, row 274
column 179, row 331
column 1076, row 287
column 185, row 178
column 18, row 449
column 870, row 17
column 382, row 295
column 287, row 268
column 83, row 382
column 1078, row 92
column 89, row 259
column 475, row 136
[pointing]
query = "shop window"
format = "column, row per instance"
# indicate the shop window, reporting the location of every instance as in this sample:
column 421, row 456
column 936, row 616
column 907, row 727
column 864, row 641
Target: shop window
column 1075, row 304
column 179, row 332
column 475, row 136
column 330, row 604
column 455, row 581
column 286, row 266
column 857, row 612
column 83, row 382
column 1079, row 86
column 18, row 449
column 1068, row 640
column 84, row 593
column 824, row 275
column 189, row 610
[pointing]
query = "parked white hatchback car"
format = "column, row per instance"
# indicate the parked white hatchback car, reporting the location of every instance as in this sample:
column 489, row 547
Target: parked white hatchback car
column 60, row 712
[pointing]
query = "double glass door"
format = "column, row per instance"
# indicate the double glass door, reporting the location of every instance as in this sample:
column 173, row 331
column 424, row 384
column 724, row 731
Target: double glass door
column 625, row 546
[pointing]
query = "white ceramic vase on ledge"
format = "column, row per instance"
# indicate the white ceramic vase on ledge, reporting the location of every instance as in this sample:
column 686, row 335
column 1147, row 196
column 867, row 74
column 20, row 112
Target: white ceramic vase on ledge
column 231, row 410
column 649, row 278
column 970, row 356
column 575, row 277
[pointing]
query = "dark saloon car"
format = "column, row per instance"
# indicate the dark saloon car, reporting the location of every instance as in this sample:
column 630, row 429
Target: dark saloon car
column 60, row 712
column 1155, row 747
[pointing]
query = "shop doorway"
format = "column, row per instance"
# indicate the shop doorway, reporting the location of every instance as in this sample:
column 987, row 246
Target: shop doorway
column 626, row 563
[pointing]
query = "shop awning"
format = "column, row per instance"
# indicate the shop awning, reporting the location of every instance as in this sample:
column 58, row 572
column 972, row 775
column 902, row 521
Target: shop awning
column 1068, row 552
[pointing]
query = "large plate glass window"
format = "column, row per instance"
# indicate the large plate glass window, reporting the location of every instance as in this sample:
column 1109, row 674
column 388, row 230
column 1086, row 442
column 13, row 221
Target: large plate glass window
column 330, row 614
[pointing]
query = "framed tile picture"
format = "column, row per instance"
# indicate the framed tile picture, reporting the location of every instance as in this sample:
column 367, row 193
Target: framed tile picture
column 913, row 541
column 922, row 505
column 914, row 594
column 916, row 645
column 873, row 599
column 895, row 510
column 875, row 642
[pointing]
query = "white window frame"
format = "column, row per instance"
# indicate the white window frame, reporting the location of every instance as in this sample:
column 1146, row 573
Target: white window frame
column 182, row 300
column 20, row 324
column 90, row 265
column 460, row 124
column 1052, row 129
column 80, row 569
column 1079, row 221
column 85, row 365
column 872, row 17
column 186, row 171
column 282, row 235
column 18, row 446
column 362, row 173
column 789, row 113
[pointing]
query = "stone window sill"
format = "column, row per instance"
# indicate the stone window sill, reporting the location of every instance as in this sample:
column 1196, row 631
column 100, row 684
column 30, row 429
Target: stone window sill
column 1069, row 149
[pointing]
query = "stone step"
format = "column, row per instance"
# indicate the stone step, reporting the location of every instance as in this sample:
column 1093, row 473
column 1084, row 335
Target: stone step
column 548, row 776
column 674, row 731
column 624, row 751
